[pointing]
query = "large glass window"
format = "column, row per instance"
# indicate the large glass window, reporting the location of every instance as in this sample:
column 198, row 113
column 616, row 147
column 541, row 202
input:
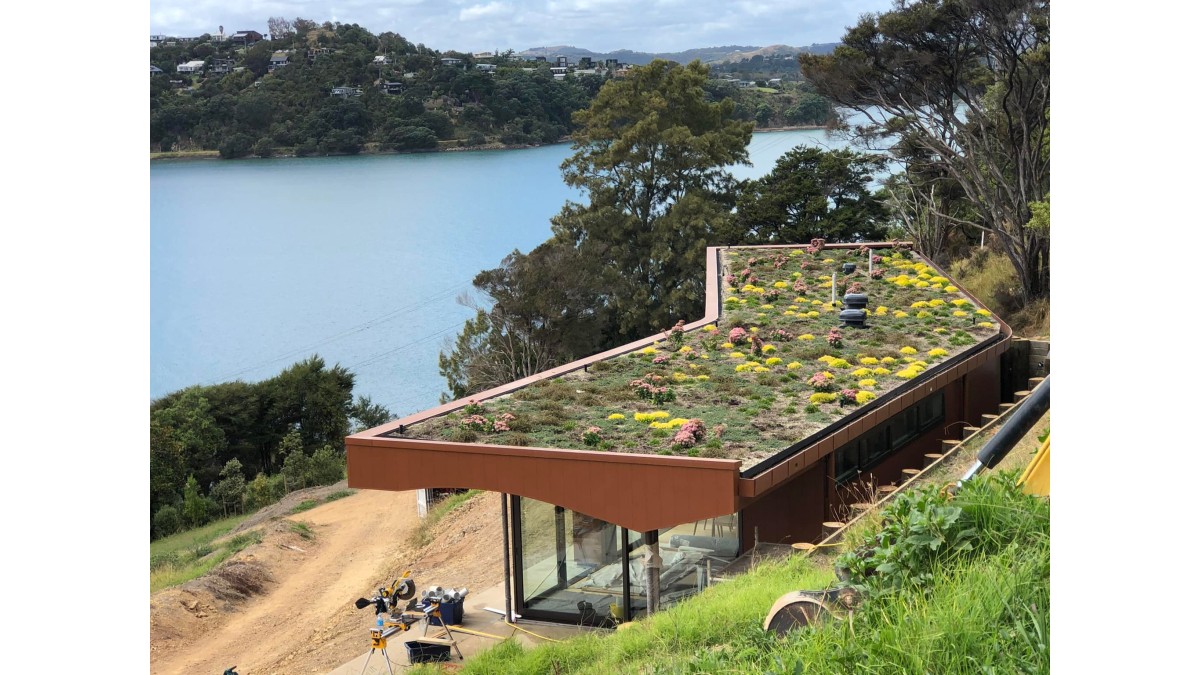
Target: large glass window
column 894, row 433
column 576, row 568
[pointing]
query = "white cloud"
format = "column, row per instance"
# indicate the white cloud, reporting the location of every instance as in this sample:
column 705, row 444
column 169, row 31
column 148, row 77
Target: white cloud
column 475, row 12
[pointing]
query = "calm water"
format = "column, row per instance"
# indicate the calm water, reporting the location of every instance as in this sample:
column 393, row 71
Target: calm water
column 256, row 264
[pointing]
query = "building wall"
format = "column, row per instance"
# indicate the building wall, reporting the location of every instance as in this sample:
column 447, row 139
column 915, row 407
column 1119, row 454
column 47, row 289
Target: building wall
column 792, row 512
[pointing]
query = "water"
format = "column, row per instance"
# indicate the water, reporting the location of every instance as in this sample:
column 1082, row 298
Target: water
column 257, row 264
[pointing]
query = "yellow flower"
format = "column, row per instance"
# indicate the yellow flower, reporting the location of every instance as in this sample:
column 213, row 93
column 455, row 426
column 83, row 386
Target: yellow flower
column 821, row 397
column 704, row 356
column 839, row 363
column 813, row 314
column 827, row 284
column 867, row 383
column 806, row 336
column 685, row 349
column 649, row 350
column 709, row 328
column 743, row 367
column 881, row 310
column 826, row 358
column 780, row 284
column 951, row 289
column 888, row 360
column 816, row 302
column 753, row 329
column 616, row 416
column 938, row 280
column 767, row 349
column 959, row 312
column 908, row 350
column 938, row 351
column 863, row 396
column 793, row 307
column 900, row 314
column 825, row 277
column 680, row 377
column 987, row 324
column 861, row 372
column 923, row 314
column 767, row 307
column 731, row 301
column 959, row 302
column 908, row 373
column 651, row 416
column 678, row 422
column 881, row 371
column 793, row 365
column 868, row 361
column 726, row 345
column 983, row 312
column 702, row 377
column 936, row 302
column 921, row 284
column 919, row 304
column 737, row 355
column 789, row 312
column 774, row 360
column 760, row 369
column 939, row 329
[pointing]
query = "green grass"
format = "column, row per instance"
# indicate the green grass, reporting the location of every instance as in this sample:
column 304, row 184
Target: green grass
column 424, row 532
column 303, row 530
column 188, row 555
column 983, row 611
column 305, row 505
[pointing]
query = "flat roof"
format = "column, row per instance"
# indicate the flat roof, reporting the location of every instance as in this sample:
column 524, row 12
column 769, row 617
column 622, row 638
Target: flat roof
column 763, row 376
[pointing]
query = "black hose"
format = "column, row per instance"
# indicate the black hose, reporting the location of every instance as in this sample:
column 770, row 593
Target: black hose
column 1023, row 418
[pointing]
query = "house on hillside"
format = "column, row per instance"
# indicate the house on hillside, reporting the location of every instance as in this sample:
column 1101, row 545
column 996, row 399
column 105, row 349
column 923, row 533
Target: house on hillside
column 486, row 67
column 279, row 59
column 381, row 60
column 346, row 92
column 191, row 67
column 631, row 478
column 155, row 70
column 451, row 61
column 245, row 38
column 393, row 88
column 221, row 66
column 775, row 82
column 157, row 40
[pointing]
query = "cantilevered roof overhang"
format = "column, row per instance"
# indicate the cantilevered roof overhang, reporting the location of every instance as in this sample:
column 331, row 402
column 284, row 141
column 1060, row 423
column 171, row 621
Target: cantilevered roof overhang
column 638, row 491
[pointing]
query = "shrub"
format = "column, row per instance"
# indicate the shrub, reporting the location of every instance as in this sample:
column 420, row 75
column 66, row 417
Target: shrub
column 237, row 145
column 166, row 521
column 691, row 433
column 264, row 147
column 326, row 467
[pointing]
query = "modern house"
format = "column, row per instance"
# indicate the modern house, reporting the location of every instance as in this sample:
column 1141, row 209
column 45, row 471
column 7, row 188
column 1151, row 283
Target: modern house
column 221, row 66
column 245, row 38
column 279, row 59
column 393, row 88
column 381, row 60
column 630, row 478
column 345, row 92
column 191, row 67
column 451, row 61
column 155, row 70
column 486, row 67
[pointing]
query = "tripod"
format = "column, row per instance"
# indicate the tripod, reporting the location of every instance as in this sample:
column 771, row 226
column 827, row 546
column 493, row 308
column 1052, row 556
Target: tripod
column 378, row 641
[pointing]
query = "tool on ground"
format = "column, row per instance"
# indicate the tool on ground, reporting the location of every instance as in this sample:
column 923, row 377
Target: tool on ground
column 230, row 671
column 391, row 618
column 388, row 598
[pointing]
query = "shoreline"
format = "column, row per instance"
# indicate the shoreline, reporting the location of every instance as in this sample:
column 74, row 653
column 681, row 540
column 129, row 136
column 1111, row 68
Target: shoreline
column 191, row 155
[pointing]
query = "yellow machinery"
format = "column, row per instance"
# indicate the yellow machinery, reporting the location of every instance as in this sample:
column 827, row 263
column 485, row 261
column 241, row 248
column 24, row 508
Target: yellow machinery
column 1036, row 478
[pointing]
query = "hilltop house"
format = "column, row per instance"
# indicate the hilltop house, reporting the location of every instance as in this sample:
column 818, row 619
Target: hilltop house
column 191, row 67
column 221, row 66
column 629, row 477
column 279, row 59
column 345, row 92
column 155, row 70
column 245, row 38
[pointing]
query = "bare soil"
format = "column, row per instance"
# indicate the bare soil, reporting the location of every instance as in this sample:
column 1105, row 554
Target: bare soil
column 286, row 605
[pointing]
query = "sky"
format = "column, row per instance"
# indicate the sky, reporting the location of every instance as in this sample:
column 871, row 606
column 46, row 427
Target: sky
column 485, row 25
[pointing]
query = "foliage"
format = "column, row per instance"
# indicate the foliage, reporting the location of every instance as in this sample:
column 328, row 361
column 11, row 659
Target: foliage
column 229, row 490
column 811, row 193
column 366, row 414
column 651, row 153
column 962, row 89
column 166, row 521
column 423, row 534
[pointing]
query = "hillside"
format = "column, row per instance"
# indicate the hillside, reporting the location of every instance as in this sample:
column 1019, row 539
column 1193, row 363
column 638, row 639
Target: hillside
column 728, row 53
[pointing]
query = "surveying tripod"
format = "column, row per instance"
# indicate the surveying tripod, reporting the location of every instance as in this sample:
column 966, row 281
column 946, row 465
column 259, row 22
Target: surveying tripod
column 407, row 620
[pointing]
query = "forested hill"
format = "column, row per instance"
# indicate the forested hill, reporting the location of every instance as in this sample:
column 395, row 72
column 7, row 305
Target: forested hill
column 709, row 55
column 340, row 89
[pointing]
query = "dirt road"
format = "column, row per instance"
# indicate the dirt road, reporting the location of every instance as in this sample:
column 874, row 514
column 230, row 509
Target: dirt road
column 302, row 619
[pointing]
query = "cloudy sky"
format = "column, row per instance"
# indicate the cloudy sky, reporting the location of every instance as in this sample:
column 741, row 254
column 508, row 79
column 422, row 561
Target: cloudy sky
column 599, row 25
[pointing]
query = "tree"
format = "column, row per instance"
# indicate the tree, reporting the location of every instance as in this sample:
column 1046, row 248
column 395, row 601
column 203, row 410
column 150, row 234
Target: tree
column 651, row 153
column 166, row 466
column 961, row 87
column 325, row 467
column 195, row 506
column 295, row 463
column 166, row 521
column 279, row 28
column 367, row 414
column 811, row 193
column 260, row 492
column 189, row 423
column 228, row 491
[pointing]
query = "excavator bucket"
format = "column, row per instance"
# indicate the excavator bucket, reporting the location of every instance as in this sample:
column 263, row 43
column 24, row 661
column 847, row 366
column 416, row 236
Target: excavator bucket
column 1036, row 478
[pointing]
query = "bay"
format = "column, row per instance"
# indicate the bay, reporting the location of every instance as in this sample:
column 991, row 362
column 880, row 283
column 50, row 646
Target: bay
column 256, row 264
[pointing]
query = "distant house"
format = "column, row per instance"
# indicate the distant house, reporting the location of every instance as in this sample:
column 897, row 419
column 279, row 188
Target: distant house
column 221, row 66
column 278, row 60
column 155, row 70
column 451, row 61
column 156, row 40
column 561, row 62
column 612, row 64
column 775, row 82
column 345, row 92
column 745, row 84
column 190, row 67
column 318, row 51
column 382, row 60
column 559, row 72
column 484, row 55
column 393, row 88
column 585, row 62
column 486, row 67
column 245, row 38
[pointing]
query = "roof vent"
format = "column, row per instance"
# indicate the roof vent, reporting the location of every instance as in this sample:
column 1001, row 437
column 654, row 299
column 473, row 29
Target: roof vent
column 855, row 300
column 856, row 318
column 848, row 268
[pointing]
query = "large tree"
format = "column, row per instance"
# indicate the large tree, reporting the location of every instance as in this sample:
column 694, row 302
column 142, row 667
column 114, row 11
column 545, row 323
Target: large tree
column 960, row 88
column 651, row 151
column 811, row 193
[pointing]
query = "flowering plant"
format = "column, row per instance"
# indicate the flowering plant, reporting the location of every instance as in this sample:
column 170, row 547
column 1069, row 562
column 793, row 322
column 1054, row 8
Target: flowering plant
column 691, row 433
column 738, row 335
column 822, row 382
column 591, row 436
column 848, row 396
column 834, row 338
column 816, row 246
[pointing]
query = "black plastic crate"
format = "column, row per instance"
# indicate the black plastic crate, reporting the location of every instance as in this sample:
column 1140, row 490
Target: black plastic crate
column 423, row 652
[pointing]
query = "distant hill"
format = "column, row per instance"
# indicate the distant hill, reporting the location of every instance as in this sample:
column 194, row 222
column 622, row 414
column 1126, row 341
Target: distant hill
column 705, row 54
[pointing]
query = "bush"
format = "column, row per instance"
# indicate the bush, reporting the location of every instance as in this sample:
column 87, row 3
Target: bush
column 237, row 145
column 264, row 148
column 325, row 467
column 476, row 138
column 166, row 521
column 411, row 138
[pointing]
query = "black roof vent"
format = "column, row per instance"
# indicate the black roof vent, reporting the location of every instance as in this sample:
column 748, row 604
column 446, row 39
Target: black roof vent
column 855, row 300
column 848, row 268
column 856, row 318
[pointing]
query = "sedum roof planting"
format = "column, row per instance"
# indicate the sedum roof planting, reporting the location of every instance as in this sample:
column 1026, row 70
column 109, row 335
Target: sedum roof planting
column 777, row 367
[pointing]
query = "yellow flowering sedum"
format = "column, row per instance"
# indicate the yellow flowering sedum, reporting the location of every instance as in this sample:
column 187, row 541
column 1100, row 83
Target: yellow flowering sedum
column 908, row 373
column 983, row 312
column 780, row 284
column 821, row 397
column 774, row 360
column 959, row 312
column 881, row 311
column 863, row 396
column 767, row 349
column 726, row 345
column 888, row 360
column 987, row 324
column 806, row 336
column 867, row 383
column 936, row 302
column 861, row 372
column 616, row 416
column 923, row 314
column 737, row 355
column 900, row 314
column 881, row 371
column 938, row 351
column 709, row 328
column 908, row 350
column 951, row 289
column 868, row 361
column 680, row 377
column 684, row 349
column 919, row 304
column 793, row 365
column 649, row 350
column 702, row 377
column 651, row 416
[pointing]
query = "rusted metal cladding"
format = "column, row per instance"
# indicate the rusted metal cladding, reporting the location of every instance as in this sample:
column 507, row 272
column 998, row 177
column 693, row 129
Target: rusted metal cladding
column 639, row 492
column 793, row 512
column 983, row 390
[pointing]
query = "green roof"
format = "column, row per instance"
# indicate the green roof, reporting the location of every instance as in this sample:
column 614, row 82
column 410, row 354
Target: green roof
column 767, row 374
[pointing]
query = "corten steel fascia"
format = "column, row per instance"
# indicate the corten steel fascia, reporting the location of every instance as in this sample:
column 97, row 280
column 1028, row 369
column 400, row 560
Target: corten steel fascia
column 774, row 471
column 639, row 492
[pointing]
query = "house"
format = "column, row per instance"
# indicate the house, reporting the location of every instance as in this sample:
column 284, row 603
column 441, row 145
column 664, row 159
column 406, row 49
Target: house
column 381, row 60
column 157, row 40
column 486, row 67
column 393, row 88
column 559, row 72
column 221, row 66
column 245, row 38
column 345, row 92
column 315, row 52
column 562, row 62
column 757, row 422
column 191, row 67
column 745, row 84
column 612, row 64
column 585, row 62
column 775, row 82
column 155, row 70
column 279, row 59
column 451, row 61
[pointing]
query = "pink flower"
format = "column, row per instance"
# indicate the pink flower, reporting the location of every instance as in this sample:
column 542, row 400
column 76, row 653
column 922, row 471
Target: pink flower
column 737, row 335
column 691, row 433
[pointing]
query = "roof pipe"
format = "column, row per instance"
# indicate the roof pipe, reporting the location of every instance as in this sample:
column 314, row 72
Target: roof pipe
column 1023, row 418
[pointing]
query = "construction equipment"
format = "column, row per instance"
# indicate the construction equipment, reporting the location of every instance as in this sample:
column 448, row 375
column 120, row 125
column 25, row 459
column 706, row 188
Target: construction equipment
column 1036, row 478
column 402, row 618
column 388, row 598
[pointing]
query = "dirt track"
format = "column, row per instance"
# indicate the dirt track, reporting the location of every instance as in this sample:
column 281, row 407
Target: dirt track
column 305, row 620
